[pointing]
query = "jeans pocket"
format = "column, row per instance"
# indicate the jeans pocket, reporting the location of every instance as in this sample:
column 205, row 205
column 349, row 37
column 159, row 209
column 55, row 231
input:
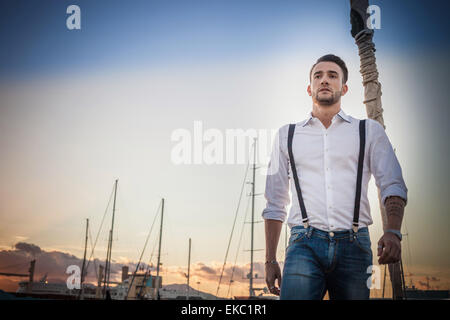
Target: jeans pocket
column 297, row 237
column 363, row 242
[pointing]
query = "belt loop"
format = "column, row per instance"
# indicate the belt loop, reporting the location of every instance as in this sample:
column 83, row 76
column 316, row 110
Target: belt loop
column 353, row 233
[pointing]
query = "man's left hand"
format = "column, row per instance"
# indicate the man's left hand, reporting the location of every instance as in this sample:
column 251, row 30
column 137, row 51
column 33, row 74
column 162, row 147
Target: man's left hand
column 389, row 249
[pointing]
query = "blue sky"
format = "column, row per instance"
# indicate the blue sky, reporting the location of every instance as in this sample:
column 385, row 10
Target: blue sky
column 121, row 34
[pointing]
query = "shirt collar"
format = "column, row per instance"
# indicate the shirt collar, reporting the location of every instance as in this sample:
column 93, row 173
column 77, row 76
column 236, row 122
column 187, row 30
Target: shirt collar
column 308, row 119
column 341, row 114
column 344, row 116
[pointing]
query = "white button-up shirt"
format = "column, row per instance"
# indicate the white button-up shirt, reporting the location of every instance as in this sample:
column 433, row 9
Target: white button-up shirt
column 327, row 162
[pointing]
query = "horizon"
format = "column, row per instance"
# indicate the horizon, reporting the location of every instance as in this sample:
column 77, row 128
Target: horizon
column 207, row 275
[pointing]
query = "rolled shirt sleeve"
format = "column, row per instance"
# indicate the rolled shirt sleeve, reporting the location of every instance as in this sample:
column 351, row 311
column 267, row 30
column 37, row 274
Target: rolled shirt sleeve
column 384, row 164
column 277, row 180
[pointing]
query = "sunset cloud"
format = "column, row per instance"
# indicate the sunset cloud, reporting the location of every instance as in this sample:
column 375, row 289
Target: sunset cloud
column 53, row 264
column 203, row 276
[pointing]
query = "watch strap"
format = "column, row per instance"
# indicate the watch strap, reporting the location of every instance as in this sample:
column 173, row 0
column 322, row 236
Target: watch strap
column 396, row 232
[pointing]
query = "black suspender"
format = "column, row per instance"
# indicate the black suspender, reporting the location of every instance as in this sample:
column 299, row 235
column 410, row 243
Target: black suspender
column 294, row 174
column 362, row 145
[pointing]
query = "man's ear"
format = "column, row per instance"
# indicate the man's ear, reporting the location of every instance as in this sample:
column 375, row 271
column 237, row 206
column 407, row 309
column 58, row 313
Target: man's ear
column 308, row 89
column 344, row 89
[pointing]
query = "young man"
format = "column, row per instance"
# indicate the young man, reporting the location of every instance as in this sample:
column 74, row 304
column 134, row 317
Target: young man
column 333, row 156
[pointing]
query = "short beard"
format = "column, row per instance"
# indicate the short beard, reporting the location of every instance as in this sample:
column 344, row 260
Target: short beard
column 335, row 97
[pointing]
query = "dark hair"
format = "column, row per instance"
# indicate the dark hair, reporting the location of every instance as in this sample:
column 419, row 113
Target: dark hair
column 335, row 59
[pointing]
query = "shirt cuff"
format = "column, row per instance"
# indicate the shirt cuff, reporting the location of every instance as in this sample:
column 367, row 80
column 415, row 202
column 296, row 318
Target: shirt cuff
column 394, row 191
column 279, row 215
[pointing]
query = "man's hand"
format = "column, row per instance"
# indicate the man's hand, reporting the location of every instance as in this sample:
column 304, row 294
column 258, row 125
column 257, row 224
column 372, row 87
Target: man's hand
column 389, row 249
column 273, row 229
column 272, row 273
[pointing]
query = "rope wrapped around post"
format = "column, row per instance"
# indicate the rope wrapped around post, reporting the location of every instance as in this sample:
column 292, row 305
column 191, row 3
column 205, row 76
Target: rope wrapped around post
column 369, row 72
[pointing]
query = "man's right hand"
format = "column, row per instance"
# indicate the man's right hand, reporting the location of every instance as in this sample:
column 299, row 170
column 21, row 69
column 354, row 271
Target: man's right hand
column 273, row 272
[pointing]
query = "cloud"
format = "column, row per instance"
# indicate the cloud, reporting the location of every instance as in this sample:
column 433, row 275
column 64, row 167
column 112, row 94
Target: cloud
column 207, row 275
column 29, row 248
column 21, row 238
column 202, row 268
column 237, row 273
column 52, row 263
column 434, row 279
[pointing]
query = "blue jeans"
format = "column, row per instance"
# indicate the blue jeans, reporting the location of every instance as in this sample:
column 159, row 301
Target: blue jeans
column 317, row 261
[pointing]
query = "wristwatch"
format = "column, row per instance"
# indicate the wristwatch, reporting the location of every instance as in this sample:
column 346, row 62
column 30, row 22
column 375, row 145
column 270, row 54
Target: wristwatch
column 272, row 262
column 396, row 232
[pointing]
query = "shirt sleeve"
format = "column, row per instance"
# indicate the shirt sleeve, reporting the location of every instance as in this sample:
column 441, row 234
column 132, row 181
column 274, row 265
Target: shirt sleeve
column 384, row 164
column 277, row 180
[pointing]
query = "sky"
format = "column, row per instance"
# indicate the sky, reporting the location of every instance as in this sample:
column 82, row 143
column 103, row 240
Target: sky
column 81, row 108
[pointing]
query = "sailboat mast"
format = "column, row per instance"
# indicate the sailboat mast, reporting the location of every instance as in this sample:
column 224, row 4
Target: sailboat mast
column 189, row 269
column 84, row 260
column 106, row 266
column 85, row 250
column 253, row 219
column 109, row 251
column 159, row 250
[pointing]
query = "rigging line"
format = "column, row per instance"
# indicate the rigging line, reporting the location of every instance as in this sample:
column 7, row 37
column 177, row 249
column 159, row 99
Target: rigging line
column 239, row 246
column 143, row 250
column 100, row 228
column 95, row 263
column 152, row 255
column 409, row 248
column 232, row 229
column 121, row 206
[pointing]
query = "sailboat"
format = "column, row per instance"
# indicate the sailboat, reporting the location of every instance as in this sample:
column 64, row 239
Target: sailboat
column 251, row 276
column 139, row 286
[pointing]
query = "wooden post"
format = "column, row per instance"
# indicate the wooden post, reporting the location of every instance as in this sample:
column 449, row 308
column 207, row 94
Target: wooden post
column 372, row 99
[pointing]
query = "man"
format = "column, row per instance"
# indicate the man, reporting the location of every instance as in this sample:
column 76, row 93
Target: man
column 329, row 158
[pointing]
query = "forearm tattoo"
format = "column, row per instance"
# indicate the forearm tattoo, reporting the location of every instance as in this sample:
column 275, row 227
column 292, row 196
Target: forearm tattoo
column 395, row 206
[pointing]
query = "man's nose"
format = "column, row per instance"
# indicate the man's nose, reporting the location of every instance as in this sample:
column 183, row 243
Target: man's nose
column 324, row 80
